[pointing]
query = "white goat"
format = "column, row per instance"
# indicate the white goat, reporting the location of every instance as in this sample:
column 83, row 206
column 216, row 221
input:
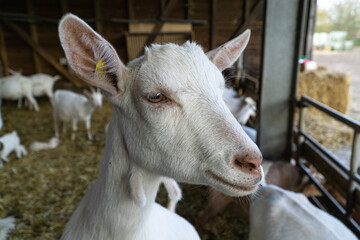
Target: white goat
column 170, row 120
column 42, row 84
column 72, row 107
column 6, row 224
column 282, row 214
column 8, row 143
column 15, row 87
column 241, row 107
column 51, row 144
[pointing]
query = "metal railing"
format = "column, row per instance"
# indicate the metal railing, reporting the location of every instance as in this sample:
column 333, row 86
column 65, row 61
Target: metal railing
column 353, row 177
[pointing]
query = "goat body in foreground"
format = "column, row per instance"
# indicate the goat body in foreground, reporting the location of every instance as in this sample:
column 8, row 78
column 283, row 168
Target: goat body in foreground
column 282, row 214
column 169, row 120
column 72, row 107
column 15, row 87
column 8, row 143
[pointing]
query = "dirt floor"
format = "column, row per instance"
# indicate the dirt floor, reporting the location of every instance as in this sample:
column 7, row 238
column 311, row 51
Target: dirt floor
column 42, row 189
column 347, row 61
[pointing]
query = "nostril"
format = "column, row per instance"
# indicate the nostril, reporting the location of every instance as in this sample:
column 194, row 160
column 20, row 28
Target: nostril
column 249, row 163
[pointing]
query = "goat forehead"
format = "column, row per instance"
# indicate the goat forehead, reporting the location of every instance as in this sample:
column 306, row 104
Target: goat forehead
column 179, row 67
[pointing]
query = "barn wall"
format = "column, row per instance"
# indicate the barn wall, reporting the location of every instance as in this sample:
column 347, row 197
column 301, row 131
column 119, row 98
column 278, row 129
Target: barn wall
column 229, row 16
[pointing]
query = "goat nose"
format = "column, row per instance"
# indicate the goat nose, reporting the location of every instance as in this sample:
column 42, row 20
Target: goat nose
column 249, row 163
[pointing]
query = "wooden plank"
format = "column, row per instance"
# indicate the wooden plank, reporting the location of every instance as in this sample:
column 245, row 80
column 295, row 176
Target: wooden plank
column 165, row 14
column 3, row 53
column 254, row 13
column 47, row 57
column 98, row 15
column 34, row 37
column 213, row 15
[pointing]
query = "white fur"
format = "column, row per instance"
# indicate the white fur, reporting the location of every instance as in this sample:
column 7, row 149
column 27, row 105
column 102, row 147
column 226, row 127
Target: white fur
column 6, row 224
column 42, row 84
column 51, row 144
column 190, row 135
column 282, row 214
column 72, row 107
column 11, row 142
column 15, row 87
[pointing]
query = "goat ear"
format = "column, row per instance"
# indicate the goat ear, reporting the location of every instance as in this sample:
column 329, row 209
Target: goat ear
column 91, row 57
column 225, row 55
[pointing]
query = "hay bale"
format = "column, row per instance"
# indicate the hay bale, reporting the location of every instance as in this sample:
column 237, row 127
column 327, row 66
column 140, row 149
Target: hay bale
column 328, row 86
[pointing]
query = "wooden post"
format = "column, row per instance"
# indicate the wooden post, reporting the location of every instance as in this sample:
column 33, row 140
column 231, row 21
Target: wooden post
column 98, row 16
column 130, row 8
column 47, row 57
column 64, row 6
column 254, row 13
column 3, row 53
column 34, row 37
column 213, row 24
column 166, row 13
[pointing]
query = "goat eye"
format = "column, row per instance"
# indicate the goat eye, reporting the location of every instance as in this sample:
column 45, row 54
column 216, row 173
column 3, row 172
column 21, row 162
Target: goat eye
column 156, row 98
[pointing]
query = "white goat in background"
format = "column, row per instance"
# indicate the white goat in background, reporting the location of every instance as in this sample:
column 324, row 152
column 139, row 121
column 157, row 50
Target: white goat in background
column 169, row 119
column 72, row 107
column 51, row 144
column 242, row 107
column 8, row 143
column 281, row 214
column 43, row 84
column 16, row 87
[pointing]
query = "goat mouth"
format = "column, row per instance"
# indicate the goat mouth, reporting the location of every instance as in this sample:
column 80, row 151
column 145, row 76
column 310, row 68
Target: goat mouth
column 224, row 182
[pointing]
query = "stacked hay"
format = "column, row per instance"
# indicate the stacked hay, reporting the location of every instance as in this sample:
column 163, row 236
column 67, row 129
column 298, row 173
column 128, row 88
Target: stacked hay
column 328, row 86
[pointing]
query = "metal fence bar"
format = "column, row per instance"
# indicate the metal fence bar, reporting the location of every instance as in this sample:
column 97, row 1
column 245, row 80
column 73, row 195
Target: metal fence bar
column 326, row 152
column 352, row 173
column 333, row 113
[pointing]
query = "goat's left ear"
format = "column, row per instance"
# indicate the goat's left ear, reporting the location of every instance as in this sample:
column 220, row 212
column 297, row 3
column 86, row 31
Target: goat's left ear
column 225, row 55
column 91, row 57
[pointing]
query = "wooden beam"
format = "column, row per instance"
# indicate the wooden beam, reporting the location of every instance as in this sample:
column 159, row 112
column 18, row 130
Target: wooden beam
column 98, row 15
column 3, row 53
column 34, row 37
column 213, row 24
column 165, row 14
column 64, row 6
column 47, row 57
column 254, row 13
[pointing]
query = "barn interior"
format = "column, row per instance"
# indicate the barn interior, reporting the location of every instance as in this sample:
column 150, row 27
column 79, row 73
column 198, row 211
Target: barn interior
column 42, row 189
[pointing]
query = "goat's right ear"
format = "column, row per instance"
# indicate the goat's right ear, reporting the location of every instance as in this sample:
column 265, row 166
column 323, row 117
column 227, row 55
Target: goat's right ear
column 90, row 56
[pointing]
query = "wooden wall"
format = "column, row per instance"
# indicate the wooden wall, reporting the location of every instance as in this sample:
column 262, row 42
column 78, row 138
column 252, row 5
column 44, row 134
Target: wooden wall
column 229, row 16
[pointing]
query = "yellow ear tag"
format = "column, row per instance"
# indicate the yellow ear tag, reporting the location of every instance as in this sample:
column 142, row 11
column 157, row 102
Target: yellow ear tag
column 100, row 69
column 214, row 62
